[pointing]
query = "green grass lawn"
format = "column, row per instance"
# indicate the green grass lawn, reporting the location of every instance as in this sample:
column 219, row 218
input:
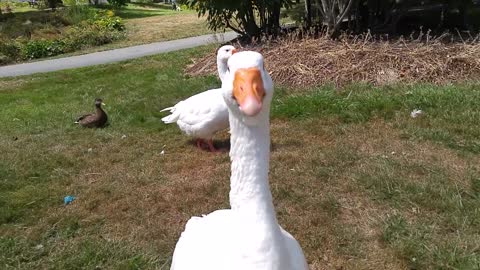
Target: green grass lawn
column 355, row 179
column 142, row 10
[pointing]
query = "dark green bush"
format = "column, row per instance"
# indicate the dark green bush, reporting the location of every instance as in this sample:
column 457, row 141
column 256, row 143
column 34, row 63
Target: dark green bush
column 43, row 48
column 117, row 3
column 77, row 13
column 9, row 51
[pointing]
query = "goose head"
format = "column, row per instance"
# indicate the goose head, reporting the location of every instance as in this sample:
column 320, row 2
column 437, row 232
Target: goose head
column 248, row 88
column 224, row 53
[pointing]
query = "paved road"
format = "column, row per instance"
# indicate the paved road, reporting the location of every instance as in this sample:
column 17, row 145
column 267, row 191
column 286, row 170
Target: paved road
column 113, row 55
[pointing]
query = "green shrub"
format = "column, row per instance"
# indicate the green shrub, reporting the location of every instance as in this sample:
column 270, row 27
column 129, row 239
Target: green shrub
column 9, row 51
column 117, row 3
column 107, row 19
column 77, row 13
column 90, row 28
column 4, row 59
column 91, row 34
column 43, row 48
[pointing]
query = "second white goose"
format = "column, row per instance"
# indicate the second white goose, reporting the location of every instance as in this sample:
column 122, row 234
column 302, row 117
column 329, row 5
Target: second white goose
column 204, row 114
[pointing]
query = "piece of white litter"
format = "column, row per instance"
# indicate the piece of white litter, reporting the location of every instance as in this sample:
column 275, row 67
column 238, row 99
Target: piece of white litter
column 163, row 152
column 39, row 246
column 393, row 153
column 90, row 150
column 416, row 113
column 124, row 136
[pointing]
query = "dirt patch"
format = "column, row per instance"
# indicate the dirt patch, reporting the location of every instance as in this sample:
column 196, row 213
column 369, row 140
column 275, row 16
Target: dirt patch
column 319, row 61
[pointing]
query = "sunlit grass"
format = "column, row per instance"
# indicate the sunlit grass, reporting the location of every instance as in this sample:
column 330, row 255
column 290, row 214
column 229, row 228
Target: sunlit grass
column 358, row 181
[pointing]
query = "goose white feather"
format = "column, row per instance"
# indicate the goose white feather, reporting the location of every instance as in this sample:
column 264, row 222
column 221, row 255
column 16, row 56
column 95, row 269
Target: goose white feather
column 203, row 114
column 247, row 236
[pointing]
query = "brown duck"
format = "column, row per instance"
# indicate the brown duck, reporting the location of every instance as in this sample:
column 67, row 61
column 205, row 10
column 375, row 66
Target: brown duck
column 94, row 120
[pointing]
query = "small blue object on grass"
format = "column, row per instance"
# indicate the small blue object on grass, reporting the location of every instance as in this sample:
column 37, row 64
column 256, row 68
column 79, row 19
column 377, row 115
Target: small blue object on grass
column 68, row 199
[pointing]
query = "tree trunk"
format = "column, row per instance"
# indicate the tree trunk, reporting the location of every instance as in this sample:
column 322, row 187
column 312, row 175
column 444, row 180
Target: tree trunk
column 251, row 27
column 308, row 13
column 343, row 10
column 274, row 18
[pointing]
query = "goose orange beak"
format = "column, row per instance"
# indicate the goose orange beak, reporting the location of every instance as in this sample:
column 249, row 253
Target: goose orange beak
column 234, row 51
column 248, row 90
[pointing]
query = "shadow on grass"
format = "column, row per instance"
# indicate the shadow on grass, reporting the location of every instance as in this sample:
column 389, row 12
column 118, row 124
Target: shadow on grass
column 138, row 13
column 153, row 5
column 139, row 10
column 221, row 145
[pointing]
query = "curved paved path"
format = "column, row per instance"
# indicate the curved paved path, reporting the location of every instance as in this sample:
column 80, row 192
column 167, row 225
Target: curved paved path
column 113, row 55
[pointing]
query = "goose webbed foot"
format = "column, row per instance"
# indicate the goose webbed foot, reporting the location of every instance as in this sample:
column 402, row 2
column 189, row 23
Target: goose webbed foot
column 209, row 143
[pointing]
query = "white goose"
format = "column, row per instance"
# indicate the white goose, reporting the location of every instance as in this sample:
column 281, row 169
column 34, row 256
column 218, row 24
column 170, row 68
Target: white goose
column 204, row 114
column 247, row 236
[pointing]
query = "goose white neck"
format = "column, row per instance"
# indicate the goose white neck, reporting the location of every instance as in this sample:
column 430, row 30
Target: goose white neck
column 222, row 68
column 259, row 237
column 250, row 155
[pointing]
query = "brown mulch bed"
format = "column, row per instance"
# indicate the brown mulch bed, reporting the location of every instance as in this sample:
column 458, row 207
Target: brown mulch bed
column 307, row 62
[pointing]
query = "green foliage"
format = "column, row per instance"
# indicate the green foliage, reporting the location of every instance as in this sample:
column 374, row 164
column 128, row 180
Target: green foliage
column 89, row 28
column 250, row 18
column 13, row 4
column 9, row 51
column 118, row 3
column 53, row 4
column 21, row 25
column 88, row 34
column 77, row 13
column 42, row 48
column 106, row 19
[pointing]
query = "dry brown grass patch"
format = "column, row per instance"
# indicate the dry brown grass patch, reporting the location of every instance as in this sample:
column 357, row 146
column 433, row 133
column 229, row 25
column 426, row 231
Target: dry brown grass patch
column 319, row 61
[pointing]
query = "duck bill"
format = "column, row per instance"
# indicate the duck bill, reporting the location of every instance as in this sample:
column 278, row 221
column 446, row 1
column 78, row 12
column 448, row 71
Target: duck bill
column 248, row 90
column 103, row 104
column 234, row 51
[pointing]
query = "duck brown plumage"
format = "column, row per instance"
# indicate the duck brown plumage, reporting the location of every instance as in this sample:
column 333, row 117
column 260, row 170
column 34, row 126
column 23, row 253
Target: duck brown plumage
column 94, row 120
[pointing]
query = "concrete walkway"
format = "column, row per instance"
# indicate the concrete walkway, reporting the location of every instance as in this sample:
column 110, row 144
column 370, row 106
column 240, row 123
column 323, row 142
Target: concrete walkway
column 113, row 55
